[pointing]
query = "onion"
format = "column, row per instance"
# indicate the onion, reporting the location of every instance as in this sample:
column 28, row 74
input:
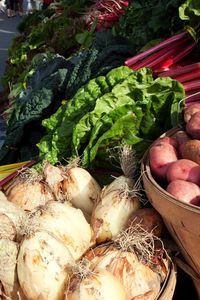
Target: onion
column 29, row 193
column 139, row 281
column 119, row 200
column 44, row 266
column 8, row 274
column 120, row 183
column 67, row 223
column 3, row 197
column 149, row 219
column 12, row 218
column 97, row 284
column 54, row 177
column 81, row 189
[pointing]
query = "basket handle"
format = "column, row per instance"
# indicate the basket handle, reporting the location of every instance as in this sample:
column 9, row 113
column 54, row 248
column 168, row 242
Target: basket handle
column 186, row 268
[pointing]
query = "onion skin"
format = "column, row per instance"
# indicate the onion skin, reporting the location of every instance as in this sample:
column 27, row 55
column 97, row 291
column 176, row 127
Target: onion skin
column 118, row 184
column 68, row 224
column 139, row 281
column 54, row 177
column 44, row 266
column 149, row 219
column 81, row 189
column 8, row 270
column 112, row 212
column 11, row 217
column 99, row 285
column 29, row 195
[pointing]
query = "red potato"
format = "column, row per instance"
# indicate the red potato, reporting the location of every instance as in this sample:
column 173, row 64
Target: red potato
column 181, row 137
column 190, row 110
column 185, row 191
column 193, row 126
column 184, row 169
column 166, row 140
column 191, row 150
column 161, row 155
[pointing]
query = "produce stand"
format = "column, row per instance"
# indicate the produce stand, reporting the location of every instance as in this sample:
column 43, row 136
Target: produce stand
column 89, row 89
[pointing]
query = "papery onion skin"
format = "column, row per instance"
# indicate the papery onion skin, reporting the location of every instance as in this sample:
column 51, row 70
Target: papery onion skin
column 120, row 183
column 149, row 219
column 11, row 218
column 81, row 189
column 8, row 271
column 111, row 214
column 139, row 281
column 43, row 267
column 54, row 177
column 29, row 195
column 68, row 224
column 99, row 285
column 3, row 196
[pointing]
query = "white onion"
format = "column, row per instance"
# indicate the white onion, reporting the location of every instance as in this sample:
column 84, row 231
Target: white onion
column 97, row 285
column 81, row 189
column 120, row 183
column 43, row 268
column 8, row 274
column 112, row 212
column 3, row 197
column 11, row 219
column 139, row 281
column 29, row 195
column 68, row 224
column 54, row 177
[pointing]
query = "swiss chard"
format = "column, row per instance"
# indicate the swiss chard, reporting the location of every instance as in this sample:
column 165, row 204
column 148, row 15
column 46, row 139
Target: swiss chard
column 134, row 109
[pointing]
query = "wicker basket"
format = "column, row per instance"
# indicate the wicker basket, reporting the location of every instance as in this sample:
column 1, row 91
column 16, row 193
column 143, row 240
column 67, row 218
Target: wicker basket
column 181, row 219
column 168, row 287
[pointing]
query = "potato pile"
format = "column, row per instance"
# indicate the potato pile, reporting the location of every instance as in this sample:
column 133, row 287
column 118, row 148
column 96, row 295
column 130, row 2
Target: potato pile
column 63, row 237
column 175, row 160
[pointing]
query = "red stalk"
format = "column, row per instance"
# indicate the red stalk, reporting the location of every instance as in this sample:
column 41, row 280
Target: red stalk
column 185, row 52
column 181, row 70
column 15, row 173
column 168, row 54
column 192, row 85
column 188, row 76
column 176, row 58
column 159, row 46
column 192, row 97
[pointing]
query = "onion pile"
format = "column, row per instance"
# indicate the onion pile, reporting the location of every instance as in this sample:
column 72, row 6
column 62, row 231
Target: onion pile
column 70, row 183
column 63, row 237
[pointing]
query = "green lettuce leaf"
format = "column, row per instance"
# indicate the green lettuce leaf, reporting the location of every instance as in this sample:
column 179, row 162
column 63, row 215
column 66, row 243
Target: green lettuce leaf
column 57, row 143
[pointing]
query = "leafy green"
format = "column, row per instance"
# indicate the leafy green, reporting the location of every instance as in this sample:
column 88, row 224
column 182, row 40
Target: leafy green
column 60, row 126
column 189, row 11
column 45, row 85
column 50, row 81
column 133, row 108
column 146, row 20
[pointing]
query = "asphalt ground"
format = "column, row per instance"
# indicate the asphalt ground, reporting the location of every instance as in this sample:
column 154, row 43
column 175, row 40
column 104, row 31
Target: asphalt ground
column 8, row 30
